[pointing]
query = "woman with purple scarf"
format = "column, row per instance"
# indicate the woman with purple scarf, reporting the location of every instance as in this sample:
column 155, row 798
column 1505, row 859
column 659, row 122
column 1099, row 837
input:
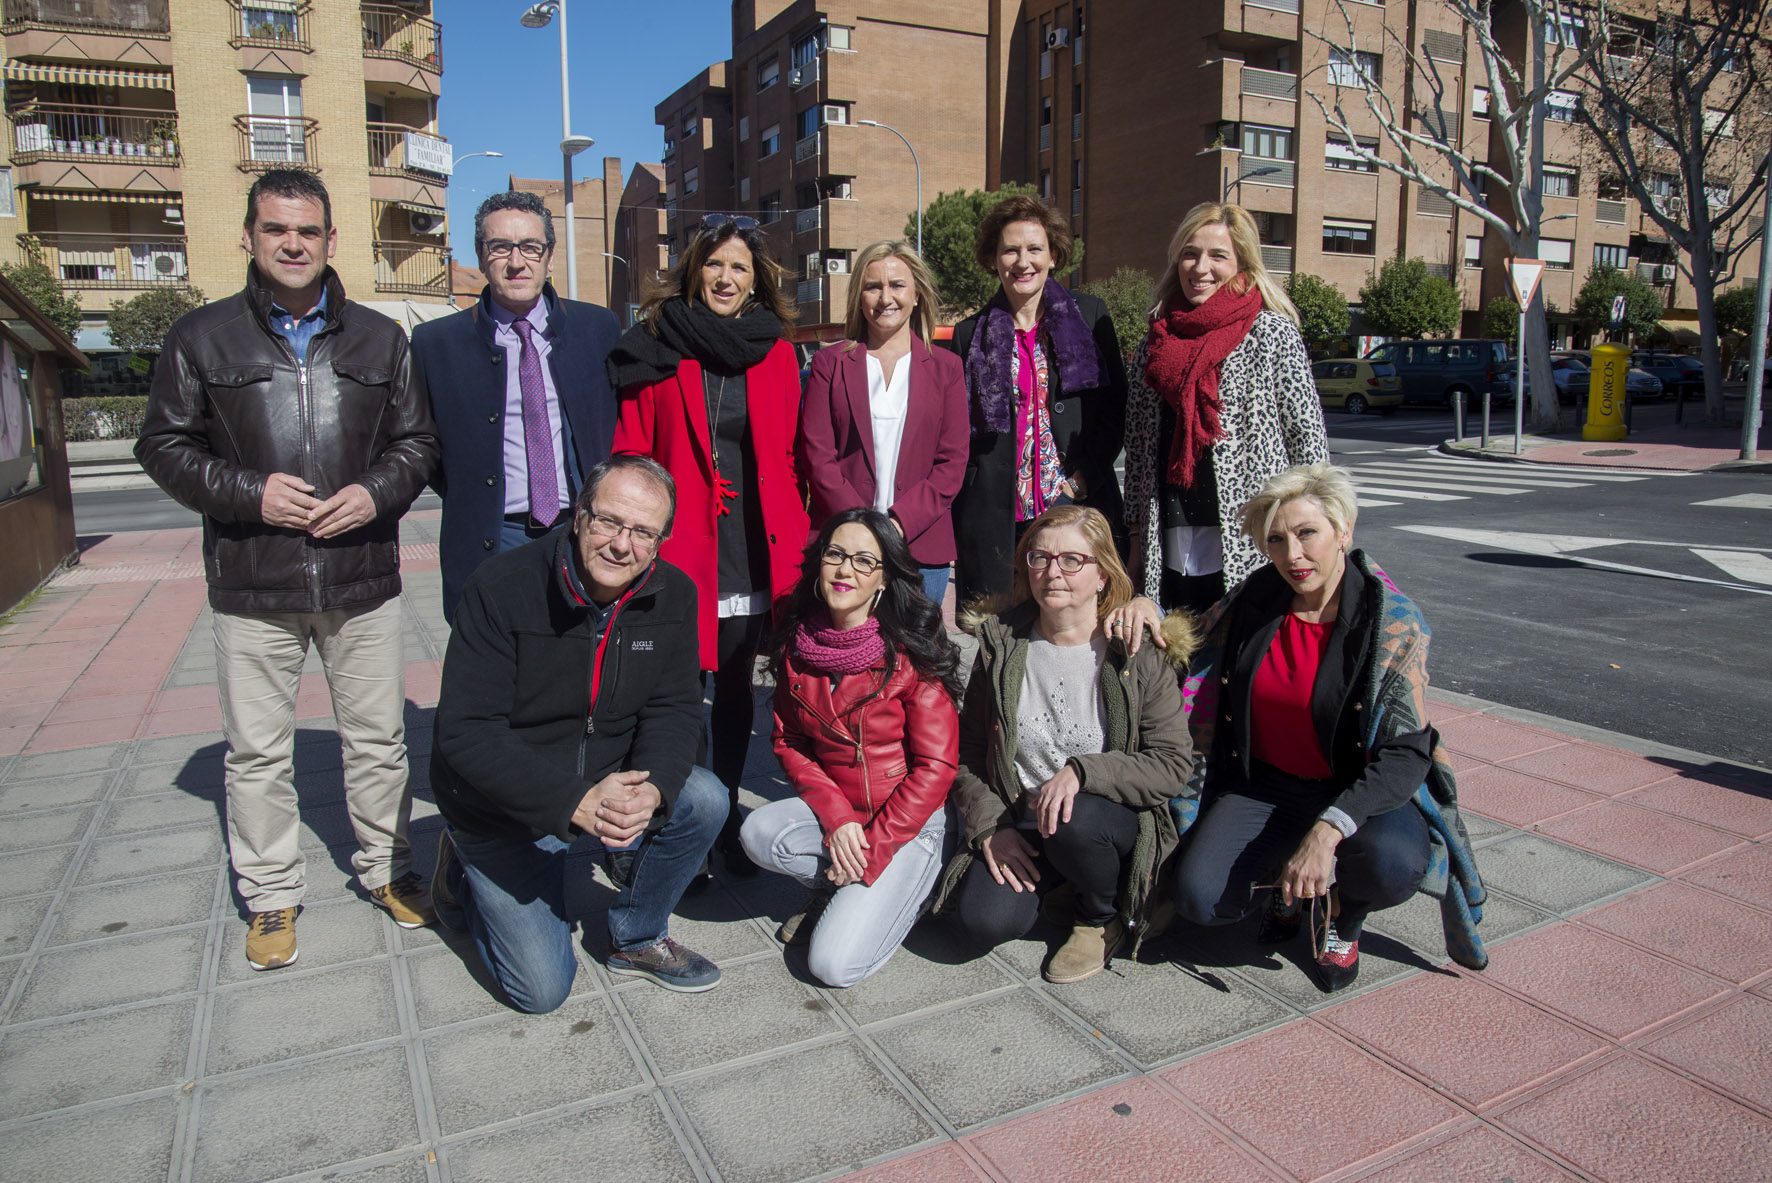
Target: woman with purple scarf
column 868, row 735
column 1046, row 381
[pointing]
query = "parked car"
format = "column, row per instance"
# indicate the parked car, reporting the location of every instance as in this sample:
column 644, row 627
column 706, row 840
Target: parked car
column 1677, row 372
column 1435, row 371
column 1358, row 386
column 1572, row 371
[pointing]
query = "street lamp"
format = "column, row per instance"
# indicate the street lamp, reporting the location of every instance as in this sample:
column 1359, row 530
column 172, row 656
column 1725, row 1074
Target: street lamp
column 914, row 164
column 537, row 17
column 1250, row 175
column 471, row 155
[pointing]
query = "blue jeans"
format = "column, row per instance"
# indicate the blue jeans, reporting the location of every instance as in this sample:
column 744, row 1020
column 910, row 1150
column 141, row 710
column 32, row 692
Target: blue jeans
column 935, row 583
column 511, row 535
column 514, row 895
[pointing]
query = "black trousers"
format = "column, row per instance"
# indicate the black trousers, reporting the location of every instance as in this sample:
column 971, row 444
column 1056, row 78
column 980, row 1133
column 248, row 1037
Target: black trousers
column 1244, row 839
column 1089, row 852
column 734, row 709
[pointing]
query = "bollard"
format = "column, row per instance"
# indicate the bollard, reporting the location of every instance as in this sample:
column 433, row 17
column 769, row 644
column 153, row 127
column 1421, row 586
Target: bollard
column 1680, row 405
column 1606, row 392
column 1458, row 415
column 1486, row 397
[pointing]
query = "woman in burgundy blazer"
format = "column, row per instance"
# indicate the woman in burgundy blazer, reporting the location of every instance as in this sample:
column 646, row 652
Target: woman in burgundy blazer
column 892, row 306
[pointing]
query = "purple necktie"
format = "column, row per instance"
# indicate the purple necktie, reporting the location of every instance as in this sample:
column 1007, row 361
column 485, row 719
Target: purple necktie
column 538, row 436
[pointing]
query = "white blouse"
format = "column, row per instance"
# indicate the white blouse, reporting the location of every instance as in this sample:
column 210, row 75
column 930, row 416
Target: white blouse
column 888, row 404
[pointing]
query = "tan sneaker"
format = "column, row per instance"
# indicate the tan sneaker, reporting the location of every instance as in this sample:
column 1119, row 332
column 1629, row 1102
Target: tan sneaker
column 407, row 900
column 1085, row 954
column 270, row 940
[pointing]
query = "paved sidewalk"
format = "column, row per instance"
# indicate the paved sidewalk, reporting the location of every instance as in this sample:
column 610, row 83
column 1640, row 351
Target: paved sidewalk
column 1655, row 442
column 1622, row 1032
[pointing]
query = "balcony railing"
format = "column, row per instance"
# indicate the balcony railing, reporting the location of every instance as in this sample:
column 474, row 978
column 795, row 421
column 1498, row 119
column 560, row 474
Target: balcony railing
column 124, row 16
column 807, row 148
column 411, row 267
column 55, row 131
column 1440, row 270
column 1264, row 170
column 395, row 32
column 99, row 261
column 1045, row 137
column 1273, row 84
column 280, row 23
column 388, row 144
column 1606, row 210
column 810, row 291
column 1276, row 5
column 277, row 141
column 1277, row 259
column 808, row 219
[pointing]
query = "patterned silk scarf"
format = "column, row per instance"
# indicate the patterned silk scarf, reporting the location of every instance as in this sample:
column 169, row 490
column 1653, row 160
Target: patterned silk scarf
column 1038, row 472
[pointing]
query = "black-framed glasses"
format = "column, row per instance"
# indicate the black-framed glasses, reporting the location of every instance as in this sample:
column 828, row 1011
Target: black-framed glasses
column 863, row 563
column 739, row 221
column 1069, row 561
column 607, row 527
column 530, row 248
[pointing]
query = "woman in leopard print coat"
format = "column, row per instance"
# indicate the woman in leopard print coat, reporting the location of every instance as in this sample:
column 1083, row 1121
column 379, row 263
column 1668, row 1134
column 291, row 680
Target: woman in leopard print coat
column 1223, row 368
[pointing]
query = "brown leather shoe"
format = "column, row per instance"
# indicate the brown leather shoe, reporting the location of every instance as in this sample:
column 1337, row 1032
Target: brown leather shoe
column 270, row 940
column 1085, row 954
column 407, row 900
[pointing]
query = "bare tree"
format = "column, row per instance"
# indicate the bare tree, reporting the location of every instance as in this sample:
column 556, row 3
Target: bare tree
column 1419, row 128
column 1675, row 103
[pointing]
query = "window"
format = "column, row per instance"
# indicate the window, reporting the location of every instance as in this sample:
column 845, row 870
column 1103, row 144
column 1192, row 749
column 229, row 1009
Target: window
column 1045, row 110
column 1046, row 183
column 1355, row 68
column 269, row 18
column 769, row 73
column 839, row 36
column 691, row 180
column 1272, row 143
column 1718, row 195
column 1561, row 105
column 744, row 128
column 8, row 204
column 1566, row 29
column 1337, row 153
column 1721, row 123
column 1344, row 237
column 807, row 122
column 274, row 109
column 1473, row 250
column 1558, row 253
column 1732, row 58
column 1611, row 189
column 1559, row 181
column 769, row 143
column 744, row 189
column 809, row 47
column 1480, row 103
column 1076, row 174
column 1608, row 255
column 769, row 209
column 689, row 124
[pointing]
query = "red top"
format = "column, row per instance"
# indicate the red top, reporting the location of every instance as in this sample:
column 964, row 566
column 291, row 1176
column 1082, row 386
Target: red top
column 1281, row 732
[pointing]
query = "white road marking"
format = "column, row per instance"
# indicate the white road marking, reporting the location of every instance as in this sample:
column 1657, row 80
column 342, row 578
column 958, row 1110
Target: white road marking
column 1451, row 484
column 1374, row 503
column 1754, row 568
column 1568, row 544
column 1742, row 501
column 1423, row 470
column 1407, row 494
column 1555, row 470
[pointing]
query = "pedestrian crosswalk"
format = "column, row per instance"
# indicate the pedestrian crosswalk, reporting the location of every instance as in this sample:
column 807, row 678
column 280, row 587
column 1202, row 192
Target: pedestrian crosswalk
column 1406, row 476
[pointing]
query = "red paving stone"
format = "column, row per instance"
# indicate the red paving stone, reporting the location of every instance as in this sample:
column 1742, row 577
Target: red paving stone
column 1696, row 928
column 946, row 1163
column 190, row 721
column 1277, row 1090
column 1131, row 1131
column 1729, row 1048
column 1713, row 804
column 1516, row 798
column 59, row 737
column 1492, row 739
column 1631, row 1121
column 1745, row 874
column 1503, row 1045
column 1590, row 766
column 1636, row 836
column 1475, row 1155
column 1598, row 981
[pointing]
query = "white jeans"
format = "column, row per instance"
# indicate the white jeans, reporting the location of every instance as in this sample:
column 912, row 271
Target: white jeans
column 863, row 925
column 258, row 661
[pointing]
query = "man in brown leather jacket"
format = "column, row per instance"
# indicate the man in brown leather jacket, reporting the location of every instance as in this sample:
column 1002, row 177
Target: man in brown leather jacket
column 289, row 418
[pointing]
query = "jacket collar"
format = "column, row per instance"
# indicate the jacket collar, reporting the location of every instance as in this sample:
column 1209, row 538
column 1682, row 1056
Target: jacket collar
column 484, row 324
column 259, row 297
column 569, row 580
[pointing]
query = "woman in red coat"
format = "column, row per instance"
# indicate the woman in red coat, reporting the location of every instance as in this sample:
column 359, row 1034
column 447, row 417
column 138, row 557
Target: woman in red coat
column 868, row 735
column 710, row 390
column 885, row 417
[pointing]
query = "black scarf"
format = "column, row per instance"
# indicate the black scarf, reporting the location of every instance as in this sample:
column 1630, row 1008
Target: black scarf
column 689, row 328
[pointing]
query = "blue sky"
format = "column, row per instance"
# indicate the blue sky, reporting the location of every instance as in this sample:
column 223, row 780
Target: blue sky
column 501, row 86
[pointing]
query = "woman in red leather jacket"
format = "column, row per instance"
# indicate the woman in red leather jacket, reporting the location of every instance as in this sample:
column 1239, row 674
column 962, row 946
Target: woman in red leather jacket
column 868, row 734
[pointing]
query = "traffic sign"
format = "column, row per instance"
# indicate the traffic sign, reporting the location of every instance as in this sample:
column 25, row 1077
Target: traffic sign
column 1617, row 312
column 1523, row 276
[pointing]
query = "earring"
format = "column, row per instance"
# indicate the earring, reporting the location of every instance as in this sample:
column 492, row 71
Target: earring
column 818, row 589
column 875, row 602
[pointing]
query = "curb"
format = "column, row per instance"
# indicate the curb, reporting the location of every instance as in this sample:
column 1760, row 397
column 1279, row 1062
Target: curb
column 1458, row 448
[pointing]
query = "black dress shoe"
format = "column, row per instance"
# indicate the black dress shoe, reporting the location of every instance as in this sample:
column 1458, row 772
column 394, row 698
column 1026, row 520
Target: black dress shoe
column 1279, row 923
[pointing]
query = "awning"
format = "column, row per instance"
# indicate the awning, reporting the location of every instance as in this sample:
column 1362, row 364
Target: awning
column 419, row 207
column 86, row 76
column 106, row 195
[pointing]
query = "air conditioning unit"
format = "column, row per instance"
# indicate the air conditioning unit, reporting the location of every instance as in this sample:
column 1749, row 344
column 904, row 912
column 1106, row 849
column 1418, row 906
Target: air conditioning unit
column 835, row 113
column 1667, row 272
column 174, row 214
column 1675, row 206
column 1057, row 38
column 837, row 266
column 425, row 223
column 814, row 265
column 840, row 190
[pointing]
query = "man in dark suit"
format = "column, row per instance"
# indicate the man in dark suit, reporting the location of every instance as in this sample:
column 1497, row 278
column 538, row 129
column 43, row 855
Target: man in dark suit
column 519, row 393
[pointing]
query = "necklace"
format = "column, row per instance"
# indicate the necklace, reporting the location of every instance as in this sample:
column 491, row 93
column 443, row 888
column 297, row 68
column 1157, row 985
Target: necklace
column 723, row 488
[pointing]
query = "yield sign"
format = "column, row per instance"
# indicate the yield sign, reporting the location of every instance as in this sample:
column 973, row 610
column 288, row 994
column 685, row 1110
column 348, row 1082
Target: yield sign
column 1523, row 276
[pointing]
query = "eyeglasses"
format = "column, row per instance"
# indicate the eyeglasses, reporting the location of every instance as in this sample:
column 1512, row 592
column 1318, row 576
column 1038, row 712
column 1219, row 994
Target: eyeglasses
column 740, row 221
column 605, row 527
column 863, row 563
column 1069, row 561
column 529, row 248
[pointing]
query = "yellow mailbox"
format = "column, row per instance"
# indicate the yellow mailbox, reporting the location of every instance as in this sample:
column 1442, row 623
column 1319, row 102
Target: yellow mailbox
column 1605, row 393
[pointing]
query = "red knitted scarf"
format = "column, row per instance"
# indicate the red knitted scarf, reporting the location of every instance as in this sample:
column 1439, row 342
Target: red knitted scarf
column 1187, row 347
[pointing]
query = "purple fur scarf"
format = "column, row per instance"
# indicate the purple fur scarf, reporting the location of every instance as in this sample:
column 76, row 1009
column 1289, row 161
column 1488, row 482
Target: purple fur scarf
column 990, row 373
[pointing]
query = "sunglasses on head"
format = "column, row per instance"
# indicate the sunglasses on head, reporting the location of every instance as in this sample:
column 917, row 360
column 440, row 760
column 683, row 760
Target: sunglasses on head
column 738, row 222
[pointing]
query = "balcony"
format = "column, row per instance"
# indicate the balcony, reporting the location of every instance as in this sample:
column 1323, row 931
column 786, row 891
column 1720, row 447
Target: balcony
column 1606, row 210
column 402, row 48
column 408, row 165
column 807, row 149
column 1277, row 259
column 261, row 25
column 134, row 33
column 68, row 146
column 110, row 262
column 809, row 293
column 1264, row 170
column 808, row 220
column 411, row 268
column 106, row 16
column 1272, row 84
column 277, row 141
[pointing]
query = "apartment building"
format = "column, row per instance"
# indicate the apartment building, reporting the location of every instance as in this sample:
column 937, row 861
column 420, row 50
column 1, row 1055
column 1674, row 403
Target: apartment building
column 775, row 132
column 642, row 239
column 595, row 202
column 133, row 121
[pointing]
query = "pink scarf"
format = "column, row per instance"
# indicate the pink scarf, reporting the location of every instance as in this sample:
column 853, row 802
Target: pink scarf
column 828, row 650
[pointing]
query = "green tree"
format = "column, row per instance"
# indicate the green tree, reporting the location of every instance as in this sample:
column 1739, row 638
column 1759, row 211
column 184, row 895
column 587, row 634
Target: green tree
column 1643, row 306
column 1127, row 293
column 1735, row 310
column 1404, row 300
column 950, row 226
column 33, row 277
column 1501, row 318
column 1323, row 318
column 140, row 325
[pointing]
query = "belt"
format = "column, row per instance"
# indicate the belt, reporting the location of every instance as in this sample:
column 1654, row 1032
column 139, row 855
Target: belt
column 529, row 524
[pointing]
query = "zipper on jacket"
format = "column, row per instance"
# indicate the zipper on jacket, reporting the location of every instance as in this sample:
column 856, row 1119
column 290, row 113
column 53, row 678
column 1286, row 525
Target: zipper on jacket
column 310, row 549
column 857, row 737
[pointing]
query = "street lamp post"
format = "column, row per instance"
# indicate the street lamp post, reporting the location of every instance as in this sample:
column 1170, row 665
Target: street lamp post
column 453, row 163
column 1252, row 173
column 914, row 164
column 537, row 17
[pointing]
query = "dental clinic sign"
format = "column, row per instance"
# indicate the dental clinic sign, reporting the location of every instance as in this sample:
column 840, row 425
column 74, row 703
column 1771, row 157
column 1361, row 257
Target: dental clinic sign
column 429, row 153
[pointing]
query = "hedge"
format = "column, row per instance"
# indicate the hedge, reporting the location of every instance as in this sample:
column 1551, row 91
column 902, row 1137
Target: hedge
column 116, row 418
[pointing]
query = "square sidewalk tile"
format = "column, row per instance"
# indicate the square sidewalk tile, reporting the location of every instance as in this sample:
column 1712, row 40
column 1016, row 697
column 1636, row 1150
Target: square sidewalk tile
column 1729, row 1046
column 1736, row 808
column 1419, row 922
column 930, row 970
column 109, row 973
column 1693, row 927
column 994, row 1056
column 449, row 985
column 756, row 1007
column 1511, row 796
column 133, row 855
column 800, row 1115
column 143, row 905
column 1230, row 954
column 160, row 811
column 293, row 1013
column 1590, row 766
column 629, row 1138
column 96, row 758
column 1639, row 837
column 56, row 1065
column 1555, row 877
column 1478, row 1154
column 326, row 934
column 1159, row 1011
column 946, row 1163
column 1629, row 1121
column 32, row 872
column 198, row 777
column 1493, row 739
column 19, row 920
column 127, row 1144
column 47, row 827
column 80, row 789
column 571, row 1055
column 1132, row 1132
column 1744, row 874
column 1598, row 981
column 1275, row 1091
column 1501, row 1044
